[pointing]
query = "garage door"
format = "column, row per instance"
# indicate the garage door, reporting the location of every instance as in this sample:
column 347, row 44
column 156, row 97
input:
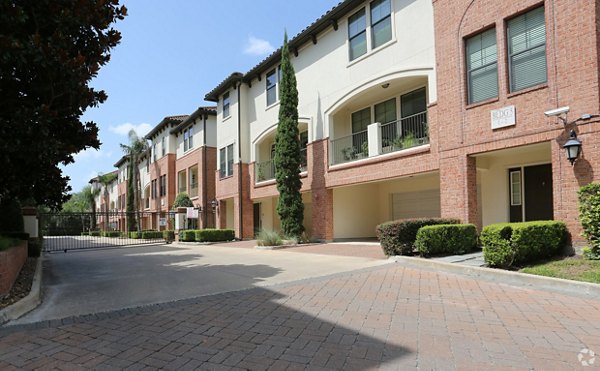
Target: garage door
column 422, row 204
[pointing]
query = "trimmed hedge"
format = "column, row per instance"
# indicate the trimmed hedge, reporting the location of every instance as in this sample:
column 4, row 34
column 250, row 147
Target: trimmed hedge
column 589, row 215
column 187, row 235
column 506, row 245
column 446, row 239
column 15, row 235
column 151, row 235
column 214, row 235
column 398, row 237
column 135, row 235
column 85, row 233
column 95, row 233
column 111, row 234
column 169, row 235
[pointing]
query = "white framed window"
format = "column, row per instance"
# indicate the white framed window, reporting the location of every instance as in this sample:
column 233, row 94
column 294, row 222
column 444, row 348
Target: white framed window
column 163, row 146
column 526, row 36
column 482, row 66
column 271, row 87
column 226, row 105
column 516, row 198
column 226, row 161
column 369, row 28
column 381, row 22
column 188, row 138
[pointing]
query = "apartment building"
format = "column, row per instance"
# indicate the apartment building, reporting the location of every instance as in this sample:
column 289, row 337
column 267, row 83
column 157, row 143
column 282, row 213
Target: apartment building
column 419, row 109
column 501, row 66
column 366, row 75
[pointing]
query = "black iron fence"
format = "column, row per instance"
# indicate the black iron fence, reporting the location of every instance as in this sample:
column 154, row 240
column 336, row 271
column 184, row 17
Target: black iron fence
column 70, row 231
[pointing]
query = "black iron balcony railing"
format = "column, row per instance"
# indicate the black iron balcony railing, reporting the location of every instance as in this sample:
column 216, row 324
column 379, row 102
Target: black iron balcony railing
column 410, row 131
column 350, row 147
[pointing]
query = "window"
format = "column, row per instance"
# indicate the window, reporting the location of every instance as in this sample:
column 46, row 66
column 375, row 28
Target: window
column 226, row 104
column 385, row 113
column 482, row 66
column 153, row 193
column 188, row 138
column 515, row 188
column 154, row 151
column 381, row 22
column 163, row 185
column 271, row 87
column 303, row 146
column 163, row 146
column 357, row 34
column 226, row 161
column 361, row 120
column 527, row 50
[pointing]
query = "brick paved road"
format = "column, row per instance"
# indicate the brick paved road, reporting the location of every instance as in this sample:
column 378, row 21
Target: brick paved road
column 389, row 317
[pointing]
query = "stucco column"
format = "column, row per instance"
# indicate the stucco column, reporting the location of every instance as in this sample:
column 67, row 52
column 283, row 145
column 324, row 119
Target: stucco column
column 30, row 221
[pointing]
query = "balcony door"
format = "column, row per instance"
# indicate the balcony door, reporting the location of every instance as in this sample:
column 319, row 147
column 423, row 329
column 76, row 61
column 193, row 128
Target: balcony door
column 413, row 106
column 531, row 193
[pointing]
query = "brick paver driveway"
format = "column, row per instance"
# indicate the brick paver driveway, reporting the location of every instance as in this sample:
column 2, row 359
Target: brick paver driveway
column 389, row 317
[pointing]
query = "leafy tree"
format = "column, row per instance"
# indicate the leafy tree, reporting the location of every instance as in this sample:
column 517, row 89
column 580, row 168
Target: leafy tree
column 49, row 52
column 76, row 204
column 182, row 200
column 287, row 151
column 134, row 150
column 89, row 195
column 106, row 180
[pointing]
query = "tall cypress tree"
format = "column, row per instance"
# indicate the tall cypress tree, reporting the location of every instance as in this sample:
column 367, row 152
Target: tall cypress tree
column 131, row 221
column 287, row 150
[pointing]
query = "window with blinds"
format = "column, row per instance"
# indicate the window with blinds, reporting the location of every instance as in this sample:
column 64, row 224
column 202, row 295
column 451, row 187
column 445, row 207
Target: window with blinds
column 381, row 22
column 357, row 34
column 482, row 66
column 527, row 50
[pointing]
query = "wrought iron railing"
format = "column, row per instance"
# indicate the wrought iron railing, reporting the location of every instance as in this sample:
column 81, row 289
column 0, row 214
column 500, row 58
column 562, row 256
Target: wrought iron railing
column 303, row 159
column 410, row 131
column 264, row 170
column 350, row 147
column 193, row 190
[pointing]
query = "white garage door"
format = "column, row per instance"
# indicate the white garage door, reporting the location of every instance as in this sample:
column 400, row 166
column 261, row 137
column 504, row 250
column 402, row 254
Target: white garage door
column 422, row 204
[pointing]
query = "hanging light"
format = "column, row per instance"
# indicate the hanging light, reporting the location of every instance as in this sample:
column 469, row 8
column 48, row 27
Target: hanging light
column 572, row 147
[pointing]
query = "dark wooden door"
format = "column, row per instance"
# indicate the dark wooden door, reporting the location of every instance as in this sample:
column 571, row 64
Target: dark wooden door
column 538, row 192
column 257, row 221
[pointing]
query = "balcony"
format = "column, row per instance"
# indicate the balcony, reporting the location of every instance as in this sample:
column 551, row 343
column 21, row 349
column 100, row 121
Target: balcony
column 379, row 139
column 405, row 133
column 350, row 147
column 265, row 170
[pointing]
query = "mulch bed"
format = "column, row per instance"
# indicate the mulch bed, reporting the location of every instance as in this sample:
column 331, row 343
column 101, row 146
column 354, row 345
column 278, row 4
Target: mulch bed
column 22, row 285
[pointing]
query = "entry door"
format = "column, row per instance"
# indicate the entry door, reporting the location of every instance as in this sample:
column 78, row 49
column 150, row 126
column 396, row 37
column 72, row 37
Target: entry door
column 531, row 193
column 257, row 221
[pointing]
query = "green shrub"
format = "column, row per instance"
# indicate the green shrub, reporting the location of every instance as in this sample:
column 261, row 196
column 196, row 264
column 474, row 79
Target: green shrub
column 169, row 235
column 446, row 239
column 187, row 235
column 95, row 233
column 11, row 218
column 589, row 215
column 398, row 237
column 85, row 233
column 513, row 244
column 8, row 242
column 151, row 235
column 135, row 235
column 15, row 235
column 112, row 234
column 214, row 235
column 34, row 247
column 269, row 238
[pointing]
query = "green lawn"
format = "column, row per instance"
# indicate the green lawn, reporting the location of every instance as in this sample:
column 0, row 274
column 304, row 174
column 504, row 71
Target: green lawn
column 571, row 268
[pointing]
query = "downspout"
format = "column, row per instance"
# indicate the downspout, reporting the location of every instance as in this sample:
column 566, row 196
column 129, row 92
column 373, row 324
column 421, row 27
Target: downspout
column 204, row 175
column 240, row 186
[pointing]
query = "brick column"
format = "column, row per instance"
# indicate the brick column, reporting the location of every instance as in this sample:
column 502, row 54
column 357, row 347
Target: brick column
column 458, row 188
column 322, row 214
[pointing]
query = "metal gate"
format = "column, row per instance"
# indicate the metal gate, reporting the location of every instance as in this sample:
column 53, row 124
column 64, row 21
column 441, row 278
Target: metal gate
column 73, row 231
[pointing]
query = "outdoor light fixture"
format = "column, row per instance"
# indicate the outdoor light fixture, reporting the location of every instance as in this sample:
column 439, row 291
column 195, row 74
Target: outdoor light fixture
column 214, row 203
column 386, row 85
column 572, row 147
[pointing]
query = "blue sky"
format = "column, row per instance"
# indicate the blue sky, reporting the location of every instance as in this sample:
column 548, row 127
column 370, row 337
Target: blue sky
column 172, row 54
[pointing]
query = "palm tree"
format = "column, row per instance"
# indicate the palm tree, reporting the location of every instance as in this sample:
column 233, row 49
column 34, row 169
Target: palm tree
column 136, row 148
column 106, row 180
column 89, row 196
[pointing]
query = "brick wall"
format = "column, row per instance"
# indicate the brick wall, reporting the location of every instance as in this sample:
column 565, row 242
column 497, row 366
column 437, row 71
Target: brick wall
column 572, row 43
column 11, row 262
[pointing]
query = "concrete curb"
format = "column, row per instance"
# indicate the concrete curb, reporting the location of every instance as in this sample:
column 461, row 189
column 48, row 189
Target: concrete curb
column 583, row 289
column 28, row 303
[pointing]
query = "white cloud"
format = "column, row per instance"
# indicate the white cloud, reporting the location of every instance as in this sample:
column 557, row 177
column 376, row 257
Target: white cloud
column 123, row 129
column 256, row 46
column 92, row 153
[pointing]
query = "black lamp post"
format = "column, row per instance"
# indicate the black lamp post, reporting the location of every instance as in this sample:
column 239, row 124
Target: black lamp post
column 572, row 147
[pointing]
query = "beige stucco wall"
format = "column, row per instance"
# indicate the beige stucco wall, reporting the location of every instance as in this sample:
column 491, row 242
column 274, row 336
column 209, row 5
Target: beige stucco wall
column 493, row 178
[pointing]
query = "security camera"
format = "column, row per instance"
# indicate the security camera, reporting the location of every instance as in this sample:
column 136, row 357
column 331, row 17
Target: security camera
column 557, row 111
